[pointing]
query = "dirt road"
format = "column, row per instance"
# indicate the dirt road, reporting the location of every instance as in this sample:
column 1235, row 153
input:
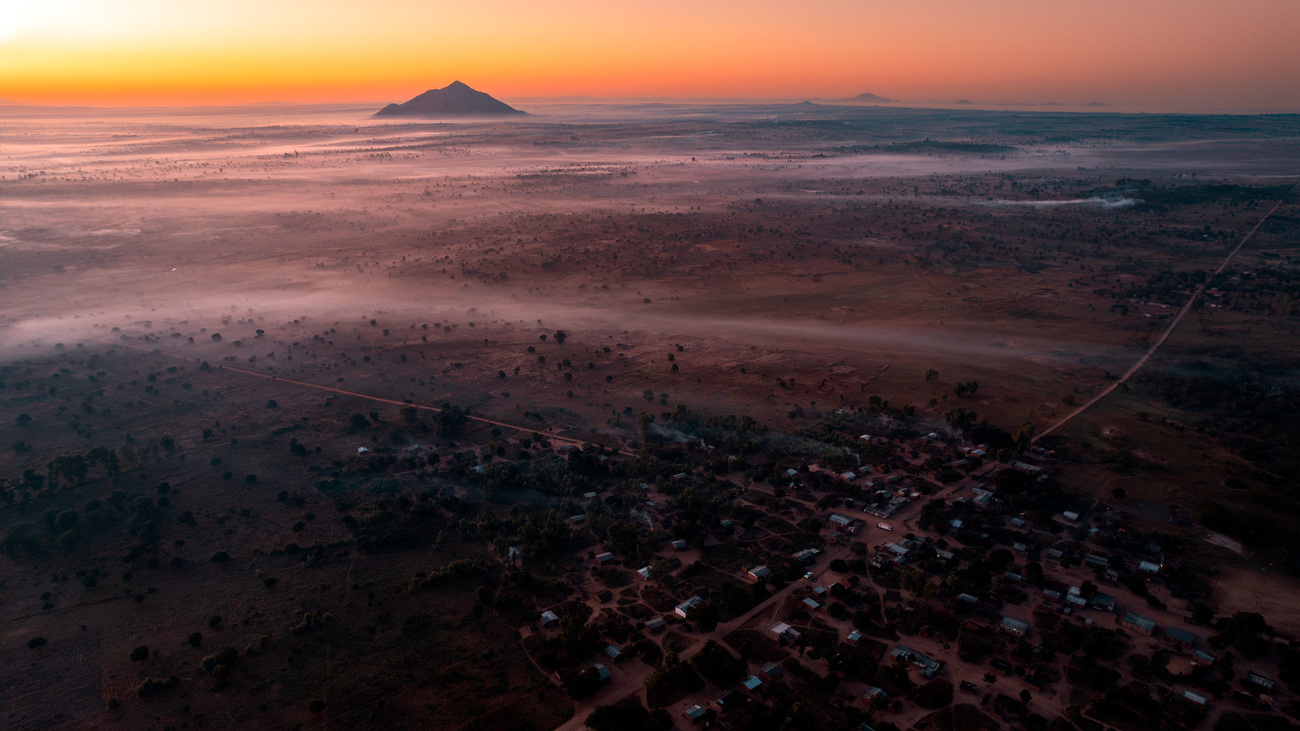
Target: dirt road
column 1168, row 331
column 377, row 399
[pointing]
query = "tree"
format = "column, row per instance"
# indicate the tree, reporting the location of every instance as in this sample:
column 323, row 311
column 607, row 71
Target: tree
column 560, row 336
column 960, row 417
column 934, row 694
column 584, row 683
column 704, row 617
column 410, row 415
column 140, row 654
column 931, row 375
column 628, row 718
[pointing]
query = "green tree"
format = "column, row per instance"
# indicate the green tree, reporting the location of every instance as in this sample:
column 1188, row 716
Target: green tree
column 703, row 617
column 960, row 417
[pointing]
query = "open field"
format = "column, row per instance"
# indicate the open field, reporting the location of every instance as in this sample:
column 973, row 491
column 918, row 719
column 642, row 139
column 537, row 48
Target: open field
column 296, row 380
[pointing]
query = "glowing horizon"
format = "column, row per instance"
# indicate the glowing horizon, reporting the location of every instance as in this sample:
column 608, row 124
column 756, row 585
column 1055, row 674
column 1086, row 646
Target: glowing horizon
column 1158, row 55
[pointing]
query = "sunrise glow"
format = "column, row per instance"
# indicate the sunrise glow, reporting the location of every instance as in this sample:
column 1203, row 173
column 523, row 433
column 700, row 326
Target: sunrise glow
column 1201, row 54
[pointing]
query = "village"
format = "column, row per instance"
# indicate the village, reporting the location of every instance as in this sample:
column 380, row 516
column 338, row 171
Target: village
column 907, row 603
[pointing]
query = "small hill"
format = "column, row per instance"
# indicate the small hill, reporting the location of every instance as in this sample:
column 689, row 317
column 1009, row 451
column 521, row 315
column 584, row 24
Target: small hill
column 454, row 100
column 869, row 98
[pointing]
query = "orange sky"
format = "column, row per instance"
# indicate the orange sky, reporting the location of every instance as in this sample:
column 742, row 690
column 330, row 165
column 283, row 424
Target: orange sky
column 1148, row 54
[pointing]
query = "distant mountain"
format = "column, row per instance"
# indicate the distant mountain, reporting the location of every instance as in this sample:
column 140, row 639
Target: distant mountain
column 454, row 100
column 869, row 98
column 1096, row 104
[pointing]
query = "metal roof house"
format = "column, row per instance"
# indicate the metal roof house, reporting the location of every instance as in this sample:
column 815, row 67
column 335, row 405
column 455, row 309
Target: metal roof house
column 694, row 713
column 927, row 665
column 781, row 630
column 684, row 607
column 1015, row 626
column 1180, row 636
column 1145, row 625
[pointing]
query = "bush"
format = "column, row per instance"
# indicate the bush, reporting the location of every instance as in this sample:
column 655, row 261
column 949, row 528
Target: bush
column 36, row 642
column 934, row 695
column 151, row 686
column 220, row 557
column 140, row 654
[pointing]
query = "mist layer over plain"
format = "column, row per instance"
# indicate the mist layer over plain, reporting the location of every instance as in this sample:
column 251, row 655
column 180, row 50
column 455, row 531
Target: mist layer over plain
column 652, row 218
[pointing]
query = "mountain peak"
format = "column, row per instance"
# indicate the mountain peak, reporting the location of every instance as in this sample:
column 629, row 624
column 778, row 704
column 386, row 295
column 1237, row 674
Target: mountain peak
column 456, row 99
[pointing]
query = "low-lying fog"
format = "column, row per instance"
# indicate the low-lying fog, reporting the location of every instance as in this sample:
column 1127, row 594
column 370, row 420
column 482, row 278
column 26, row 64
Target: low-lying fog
column 291, row 213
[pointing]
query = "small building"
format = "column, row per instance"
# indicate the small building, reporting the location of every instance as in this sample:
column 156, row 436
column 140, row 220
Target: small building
column 807, row 555
column 771, row 671
column 854, row 637
column 577, row 519
column 841, row 520
column 1103, row 602
column 781, row 630
column 604, row 558
column 1196, row 698
column 1097, row 561
column 752, row 683
column 680, row 545
column 1147, row 567
column 760, row 573
column 927, row 665
column 873, row 693
column 1018, row 627
column 811, row 604
column 1201, row 657
column 1179, row 637
column 695, row 713
column 655, row 624
column 644, row 572
column 601, row 671
column 1259, row 681
column 550, row 619
column 1145, row 625
column 1071, row 516
column 613, row 653
column 725, row 702
column 684, row 607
